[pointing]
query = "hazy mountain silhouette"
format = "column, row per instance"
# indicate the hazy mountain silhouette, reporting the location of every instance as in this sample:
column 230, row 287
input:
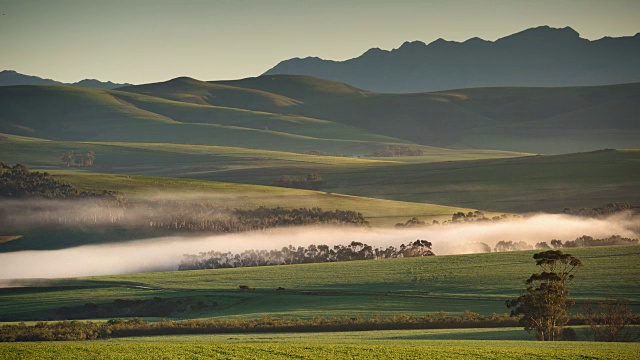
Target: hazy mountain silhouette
column 11, row 78
column 541, row 56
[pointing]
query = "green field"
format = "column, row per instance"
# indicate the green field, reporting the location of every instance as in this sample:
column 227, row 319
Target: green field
column 488, row 180
column 424, row 344
column 478, row 282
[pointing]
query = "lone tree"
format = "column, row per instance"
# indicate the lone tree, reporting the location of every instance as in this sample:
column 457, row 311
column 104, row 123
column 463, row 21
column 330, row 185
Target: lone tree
column 545, row 303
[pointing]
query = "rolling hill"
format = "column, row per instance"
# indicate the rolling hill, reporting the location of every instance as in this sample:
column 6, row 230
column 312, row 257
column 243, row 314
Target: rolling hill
column 534, row 120
column 83, row 114
column 298, row 113
column 487, row 180
column 541, row 56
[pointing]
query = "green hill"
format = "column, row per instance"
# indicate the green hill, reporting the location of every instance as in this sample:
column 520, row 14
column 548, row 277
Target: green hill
column 300, row 113
column 469, row 179
column 194, row 91
column 537, row 120
column 83, row 114
column 302, row 88
column 535, row 183
column 205, row 161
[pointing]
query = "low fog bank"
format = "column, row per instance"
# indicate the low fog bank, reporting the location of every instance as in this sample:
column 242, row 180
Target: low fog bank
column 160, row 254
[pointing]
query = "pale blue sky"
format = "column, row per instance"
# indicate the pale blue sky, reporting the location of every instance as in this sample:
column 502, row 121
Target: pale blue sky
column 140, row 41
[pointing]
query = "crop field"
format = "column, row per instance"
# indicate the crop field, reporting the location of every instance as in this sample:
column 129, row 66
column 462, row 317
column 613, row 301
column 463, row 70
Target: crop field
column 270, row 346
column 419, row 286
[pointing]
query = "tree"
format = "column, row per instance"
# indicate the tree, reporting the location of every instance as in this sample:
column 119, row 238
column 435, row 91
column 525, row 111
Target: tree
column 544, row 305
column 89, row 158
column 556, row 243
column 67, row 158
column 612, row 321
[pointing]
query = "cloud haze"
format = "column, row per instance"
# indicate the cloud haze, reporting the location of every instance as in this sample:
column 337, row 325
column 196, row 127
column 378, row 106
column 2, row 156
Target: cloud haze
column 160, row 254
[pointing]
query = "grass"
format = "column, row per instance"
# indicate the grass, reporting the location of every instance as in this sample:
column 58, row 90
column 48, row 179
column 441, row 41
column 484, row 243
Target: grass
column 541, row 183
column 478, row 282
column 372, row 345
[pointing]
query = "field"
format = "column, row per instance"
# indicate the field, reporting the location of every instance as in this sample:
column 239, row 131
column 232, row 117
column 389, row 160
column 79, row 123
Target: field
column 481, row 181
column 421, row 344
column 477, row 282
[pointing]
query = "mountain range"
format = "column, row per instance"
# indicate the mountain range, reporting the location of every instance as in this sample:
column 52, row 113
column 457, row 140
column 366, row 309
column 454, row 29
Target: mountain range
column 541, row 56
column 11, row 78
column 300, row 114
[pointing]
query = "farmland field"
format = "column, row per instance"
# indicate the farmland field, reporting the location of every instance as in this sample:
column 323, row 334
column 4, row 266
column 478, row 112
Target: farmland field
column 367, row 345
column 419, row 286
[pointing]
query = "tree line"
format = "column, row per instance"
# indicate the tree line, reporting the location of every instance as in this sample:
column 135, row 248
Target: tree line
column 303, row 255
column 312, row 181
column 212, row 218
column 117, row 328
column 456, row 218
column 582, row 241
column 79, row 159
column 18, row 182
column 605, row 210
column 397, row 150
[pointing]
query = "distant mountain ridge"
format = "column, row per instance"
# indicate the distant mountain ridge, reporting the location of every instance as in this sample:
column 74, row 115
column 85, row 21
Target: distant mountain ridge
column 541, row 56
column 12, row 78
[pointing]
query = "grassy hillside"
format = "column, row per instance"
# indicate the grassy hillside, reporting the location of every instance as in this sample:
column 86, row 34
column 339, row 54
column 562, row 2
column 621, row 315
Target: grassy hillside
column 206, row 161
column 538, row 120
column 534, row 183
column 305, row 89
column 298, row 113
column 478, row 282
column 522, row 184
column 83, row 114
column 194, row 91
column 541, row 183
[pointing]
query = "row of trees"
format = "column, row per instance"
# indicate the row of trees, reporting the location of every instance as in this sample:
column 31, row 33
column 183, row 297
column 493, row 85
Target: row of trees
column 171, row 216
column 582, row 241
column 78, row 158
column 397, row 150
column 115, row 328
column 456, row 218
column 312, row 181
column 211, row 218
column 605, row 210
column 303, row 255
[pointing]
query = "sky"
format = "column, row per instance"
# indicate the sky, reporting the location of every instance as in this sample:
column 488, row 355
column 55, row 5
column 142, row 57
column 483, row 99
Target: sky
column 142, row 41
